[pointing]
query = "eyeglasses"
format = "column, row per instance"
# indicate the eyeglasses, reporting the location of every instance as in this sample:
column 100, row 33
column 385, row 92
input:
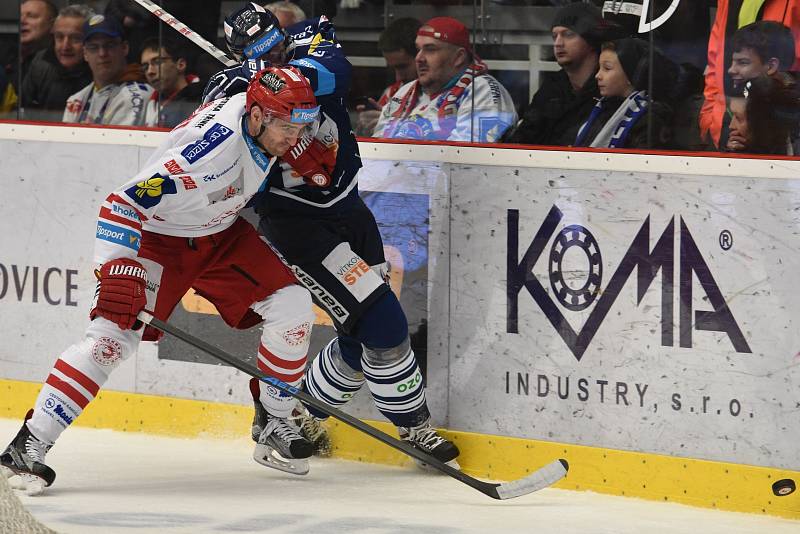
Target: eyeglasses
column 109, row 46
column 156, row 62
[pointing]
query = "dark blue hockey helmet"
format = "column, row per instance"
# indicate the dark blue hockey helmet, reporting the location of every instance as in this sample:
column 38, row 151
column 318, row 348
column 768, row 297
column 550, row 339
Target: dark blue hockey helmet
column 252, row 31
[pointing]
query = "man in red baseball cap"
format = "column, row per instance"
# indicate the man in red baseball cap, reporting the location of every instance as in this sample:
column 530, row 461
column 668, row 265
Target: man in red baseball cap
column 454, row 98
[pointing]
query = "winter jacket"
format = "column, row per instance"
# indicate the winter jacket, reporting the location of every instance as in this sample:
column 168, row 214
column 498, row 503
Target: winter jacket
column 555, row 113
column 48, row 84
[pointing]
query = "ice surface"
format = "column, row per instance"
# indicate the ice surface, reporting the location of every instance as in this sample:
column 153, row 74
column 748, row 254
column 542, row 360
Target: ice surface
column 113, row 482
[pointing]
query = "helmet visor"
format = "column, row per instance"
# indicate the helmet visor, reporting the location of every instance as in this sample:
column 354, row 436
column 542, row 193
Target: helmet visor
column 307, row 119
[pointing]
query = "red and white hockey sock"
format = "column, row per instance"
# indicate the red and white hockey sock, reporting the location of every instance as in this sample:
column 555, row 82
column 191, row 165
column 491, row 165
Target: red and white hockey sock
column 283, row 352
column 78, row 375
column 69, row 388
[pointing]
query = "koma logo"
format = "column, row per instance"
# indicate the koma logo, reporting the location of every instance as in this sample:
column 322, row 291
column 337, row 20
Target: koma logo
column 638, row 256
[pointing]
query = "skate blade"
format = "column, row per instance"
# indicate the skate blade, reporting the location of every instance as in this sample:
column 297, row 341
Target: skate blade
column 269, row 457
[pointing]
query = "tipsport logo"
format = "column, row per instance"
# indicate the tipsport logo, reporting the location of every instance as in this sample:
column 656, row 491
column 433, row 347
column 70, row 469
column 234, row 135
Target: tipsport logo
column 305, row 115
column 566, row 298
column 264, row 44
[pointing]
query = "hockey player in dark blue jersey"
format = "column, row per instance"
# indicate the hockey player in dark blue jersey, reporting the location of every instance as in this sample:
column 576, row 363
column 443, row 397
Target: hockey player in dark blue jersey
column 312, row 214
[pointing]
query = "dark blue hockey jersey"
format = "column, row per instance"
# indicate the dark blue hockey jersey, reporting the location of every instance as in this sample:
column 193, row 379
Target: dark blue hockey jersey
column 320, row 58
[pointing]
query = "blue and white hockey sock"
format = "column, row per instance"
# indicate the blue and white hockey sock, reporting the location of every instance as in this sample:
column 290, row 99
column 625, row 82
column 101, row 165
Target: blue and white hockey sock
column 396, row 385
column 330, row 379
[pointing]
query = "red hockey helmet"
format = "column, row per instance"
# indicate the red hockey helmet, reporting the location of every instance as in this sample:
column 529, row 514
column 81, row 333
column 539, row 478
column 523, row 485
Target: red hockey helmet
column 283, row 92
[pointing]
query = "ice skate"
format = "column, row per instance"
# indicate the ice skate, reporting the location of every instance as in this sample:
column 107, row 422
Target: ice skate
column 313, row 430
column 24, row 457
column 425, row 438
column 278, row 443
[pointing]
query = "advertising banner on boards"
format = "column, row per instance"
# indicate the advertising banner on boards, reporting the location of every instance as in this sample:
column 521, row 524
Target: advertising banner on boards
column 631, row 311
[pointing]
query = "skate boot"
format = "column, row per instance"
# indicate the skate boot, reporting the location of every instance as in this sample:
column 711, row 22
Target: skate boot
column 259, row 420
column 24, row 457
column 425, row 438
column 280, row 446
column 313, row 430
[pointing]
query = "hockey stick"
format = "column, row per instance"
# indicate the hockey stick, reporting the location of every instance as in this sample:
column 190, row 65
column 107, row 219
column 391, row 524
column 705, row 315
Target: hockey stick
column 183, row 29
column 539, row 479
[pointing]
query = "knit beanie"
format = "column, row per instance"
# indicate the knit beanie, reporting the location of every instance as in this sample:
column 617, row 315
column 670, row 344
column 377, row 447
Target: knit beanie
column 584, row 19
column 629, row 52
column 634, row 56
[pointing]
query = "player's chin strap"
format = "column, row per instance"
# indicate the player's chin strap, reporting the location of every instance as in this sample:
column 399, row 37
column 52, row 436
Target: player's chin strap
column 538, row 479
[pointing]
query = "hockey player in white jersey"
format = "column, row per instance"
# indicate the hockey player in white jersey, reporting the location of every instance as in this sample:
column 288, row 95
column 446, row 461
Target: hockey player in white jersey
column 176, row 226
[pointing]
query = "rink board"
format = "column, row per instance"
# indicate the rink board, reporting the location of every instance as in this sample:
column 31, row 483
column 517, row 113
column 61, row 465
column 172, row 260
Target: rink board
column 724, row 486
column 690, row 375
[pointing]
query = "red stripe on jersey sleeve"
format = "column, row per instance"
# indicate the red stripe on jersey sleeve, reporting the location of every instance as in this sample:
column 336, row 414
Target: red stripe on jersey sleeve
column 113, row 197
column 107, row 215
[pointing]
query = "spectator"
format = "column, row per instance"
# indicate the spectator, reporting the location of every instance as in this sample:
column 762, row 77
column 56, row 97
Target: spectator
column 139, row 24
column 765, row 115
column 114, row 96
column 682, row 37
column 397, row 44
column 717, row 81
column 35, row 22
column 621, row 116
column 176, row 94
column 58, row 71
column 454, row 97
column 286, row 12
column 564, row 101
column 761, row 48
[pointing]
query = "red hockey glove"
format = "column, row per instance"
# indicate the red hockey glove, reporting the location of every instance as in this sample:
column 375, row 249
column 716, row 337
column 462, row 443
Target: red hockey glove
column 120, row 292
column 313, row 161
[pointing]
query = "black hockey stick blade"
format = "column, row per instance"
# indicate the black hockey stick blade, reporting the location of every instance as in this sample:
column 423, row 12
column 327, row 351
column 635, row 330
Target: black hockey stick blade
column 539, row 479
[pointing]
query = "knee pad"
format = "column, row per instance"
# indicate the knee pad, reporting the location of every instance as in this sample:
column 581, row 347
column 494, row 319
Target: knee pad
column 103, row 349
column 288, row 302
column 383, row 324
column 288, row 318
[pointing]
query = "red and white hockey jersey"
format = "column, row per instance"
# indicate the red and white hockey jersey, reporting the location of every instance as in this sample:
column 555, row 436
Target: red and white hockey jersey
column 195, row 184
